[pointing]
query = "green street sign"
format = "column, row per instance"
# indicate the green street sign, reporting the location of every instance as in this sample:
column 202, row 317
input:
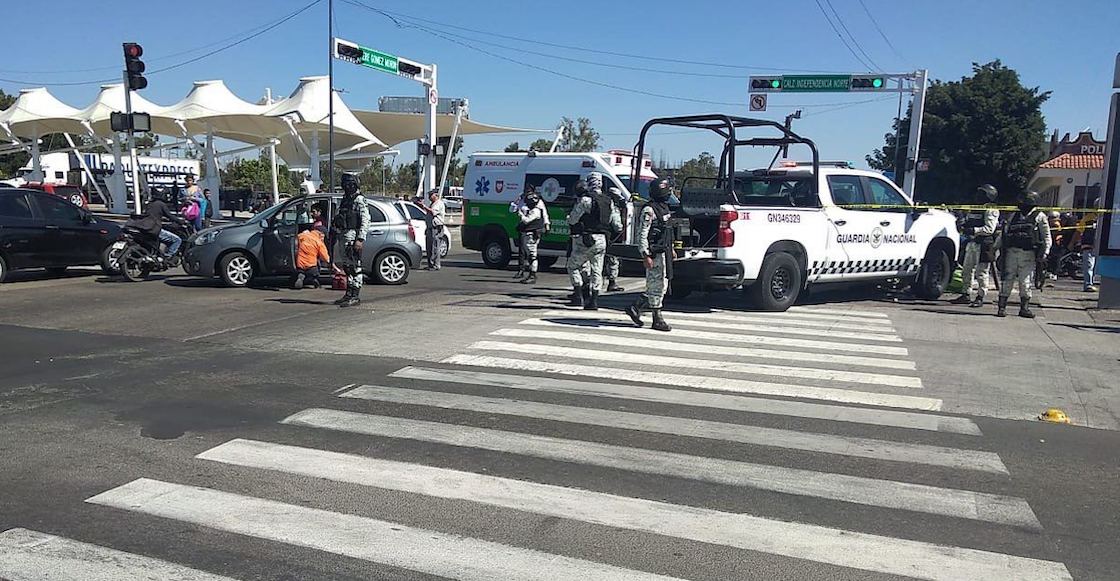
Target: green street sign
column 815, row 83
column 379, row 60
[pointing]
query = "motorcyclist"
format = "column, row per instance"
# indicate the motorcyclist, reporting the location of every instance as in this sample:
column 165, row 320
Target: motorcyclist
column 151, row 222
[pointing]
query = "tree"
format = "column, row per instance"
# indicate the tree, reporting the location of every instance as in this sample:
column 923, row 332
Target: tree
column 513, row 147
column 541, row 144
column 703, row 166
column 11, row 162
column 578, row 135
column 986, row 128
column 256, row 175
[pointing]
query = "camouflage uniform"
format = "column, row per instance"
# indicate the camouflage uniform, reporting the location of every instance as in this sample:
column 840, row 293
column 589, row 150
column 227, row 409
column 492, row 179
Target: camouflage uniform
column 351, row 262
column 1019, row 262
column 590, row 248
column 656, row 277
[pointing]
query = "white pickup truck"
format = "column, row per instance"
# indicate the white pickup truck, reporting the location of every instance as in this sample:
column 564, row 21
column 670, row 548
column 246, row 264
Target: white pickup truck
column 776, row 231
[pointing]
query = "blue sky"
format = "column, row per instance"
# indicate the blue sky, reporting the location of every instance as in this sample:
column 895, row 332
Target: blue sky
column 1066, row 47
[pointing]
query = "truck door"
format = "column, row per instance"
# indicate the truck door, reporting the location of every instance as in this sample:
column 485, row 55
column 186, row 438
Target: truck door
column 854, row 244
column 900, row 243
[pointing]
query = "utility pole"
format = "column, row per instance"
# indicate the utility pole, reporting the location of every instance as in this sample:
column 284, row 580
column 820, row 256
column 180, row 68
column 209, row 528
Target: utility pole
column 789, row 125
column 918, row 109
column 330, row 95
column 272, row 157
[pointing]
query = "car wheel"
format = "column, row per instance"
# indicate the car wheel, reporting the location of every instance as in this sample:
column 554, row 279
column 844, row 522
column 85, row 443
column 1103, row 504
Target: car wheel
column 77, row 200
column 111, row 260
column 134, row 264
column 934, row 275
column 236, row 269
column 444, row 247
column 778, row 284
column 496, row 252
column 3, row 269
column 391, row 268
column 56, row 270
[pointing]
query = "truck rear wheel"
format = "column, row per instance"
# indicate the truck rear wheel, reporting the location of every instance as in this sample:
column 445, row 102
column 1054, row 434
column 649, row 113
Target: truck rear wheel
column 496, row 252
column 778, row 284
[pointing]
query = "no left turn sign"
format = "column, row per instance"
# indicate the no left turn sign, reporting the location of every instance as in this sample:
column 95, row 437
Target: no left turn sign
column 758, row 102
column 433, row 97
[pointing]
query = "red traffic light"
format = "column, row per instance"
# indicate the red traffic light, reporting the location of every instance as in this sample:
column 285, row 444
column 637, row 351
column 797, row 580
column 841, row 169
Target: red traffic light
column 133, row 50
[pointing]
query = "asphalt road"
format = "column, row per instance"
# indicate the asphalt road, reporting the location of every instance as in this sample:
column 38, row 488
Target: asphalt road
column 464, row 426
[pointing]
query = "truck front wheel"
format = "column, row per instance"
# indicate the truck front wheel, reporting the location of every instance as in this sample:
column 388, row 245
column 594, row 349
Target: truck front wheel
column 934, row 275
column 496, row 252
column 778, row 284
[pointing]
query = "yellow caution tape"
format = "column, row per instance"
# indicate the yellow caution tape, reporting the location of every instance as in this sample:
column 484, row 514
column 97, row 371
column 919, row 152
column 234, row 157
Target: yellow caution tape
column 971, row 207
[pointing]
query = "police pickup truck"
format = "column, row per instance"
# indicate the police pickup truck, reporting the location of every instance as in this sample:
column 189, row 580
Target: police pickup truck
column 776, row 231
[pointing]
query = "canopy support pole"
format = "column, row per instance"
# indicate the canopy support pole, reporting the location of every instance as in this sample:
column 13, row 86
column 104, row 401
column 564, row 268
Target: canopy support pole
column 36, row 174
column 213, row 180
column 272, row 158
column 118, row 189
column 315, row 178
column 459, row 107
column 85, row 168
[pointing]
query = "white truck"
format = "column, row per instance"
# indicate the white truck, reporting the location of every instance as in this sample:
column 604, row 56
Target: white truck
column 776, row 231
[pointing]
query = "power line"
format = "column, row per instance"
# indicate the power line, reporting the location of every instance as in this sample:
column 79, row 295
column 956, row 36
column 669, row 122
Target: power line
column 875, row 23
column 859, row 46
column 259, row 31
column 841, row 36
column 398, row 17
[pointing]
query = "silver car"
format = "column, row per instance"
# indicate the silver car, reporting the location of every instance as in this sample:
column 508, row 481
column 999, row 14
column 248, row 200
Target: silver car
column 265, row 245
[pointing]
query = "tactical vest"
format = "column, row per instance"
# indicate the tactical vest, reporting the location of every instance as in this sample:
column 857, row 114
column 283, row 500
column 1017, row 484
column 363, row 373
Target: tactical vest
column 534, row 225
column 660, row 237
column 1021, row 232
column 598, row 220
column 975, row 220
column 348, row 217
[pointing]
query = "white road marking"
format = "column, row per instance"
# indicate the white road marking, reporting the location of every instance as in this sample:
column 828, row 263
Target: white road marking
column 27, row 555
column 674, row 344
column 840, row 312
column 397, row 545
column 758, row 328
column 876, row 322
column 603, row 356
column 818, row 411
column 702, row 382
column 780, row 319
column 763, row 340
column 966, row 504
column 789, row 439
column 913, row 559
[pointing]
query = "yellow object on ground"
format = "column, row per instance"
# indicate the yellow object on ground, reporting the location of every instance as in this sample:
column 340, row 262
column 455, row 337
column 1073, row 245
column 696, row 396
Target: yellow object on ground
column 1054, row 415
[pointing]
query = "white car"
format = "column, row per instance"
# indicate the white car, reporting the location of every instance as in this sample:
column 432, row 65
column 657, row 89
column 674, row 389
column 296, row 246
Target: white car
column 417, row 217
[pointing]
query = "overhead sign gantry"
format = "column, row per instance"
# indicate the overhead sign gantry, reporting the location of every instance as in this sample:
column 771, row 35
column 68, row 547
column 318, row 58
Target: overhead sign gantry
column 913, row 84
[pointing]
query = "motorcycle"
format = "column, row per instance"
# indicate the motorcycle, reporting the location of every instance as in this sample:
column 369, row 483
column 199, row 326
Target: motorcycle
column 143, row 253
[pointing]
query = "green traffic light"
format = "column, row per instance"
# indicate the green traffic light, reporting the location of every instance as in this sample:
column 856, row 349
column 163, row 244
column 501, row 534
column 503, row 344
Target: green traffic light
column 877, row 83
column 775, row 84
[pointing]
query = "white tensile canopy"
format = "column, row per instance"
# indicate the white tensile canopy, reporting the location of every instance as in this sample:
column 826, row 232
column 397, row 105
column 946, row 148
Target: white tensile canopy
column 296, row 126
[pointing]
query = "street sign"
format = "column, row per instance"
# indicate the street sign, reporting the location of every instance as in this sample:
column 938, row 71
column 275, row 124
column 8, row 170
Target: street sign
column 815, row 83
column 433, row 96
column 758, row 102
column 820, row 84
column 417, row 105
column 366, row 57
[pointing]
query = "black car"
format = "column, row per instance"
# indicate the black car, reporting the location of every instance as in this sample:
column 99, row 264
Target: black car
column 38, row 230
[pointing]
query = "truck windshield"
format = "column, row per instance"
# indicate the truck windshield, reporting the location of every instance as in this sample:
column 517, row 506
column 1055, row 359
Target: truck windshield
column 776, row 190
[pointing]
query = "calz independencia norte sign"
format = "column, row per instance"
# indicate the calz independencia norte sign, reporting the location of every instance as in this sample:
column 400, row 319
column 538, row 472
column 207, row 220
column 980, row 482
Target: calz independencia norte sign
column 807, row 83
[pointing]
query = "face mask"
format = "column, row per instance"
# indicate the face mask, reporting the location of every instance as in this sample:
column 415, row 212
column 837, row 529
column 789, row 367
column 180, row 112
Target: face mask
column 1025, row 209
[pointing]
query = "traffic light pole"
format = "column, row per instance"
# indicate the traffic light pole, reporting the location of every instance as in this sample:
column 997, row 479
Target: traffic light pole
column 132, row 145
column 917, row 111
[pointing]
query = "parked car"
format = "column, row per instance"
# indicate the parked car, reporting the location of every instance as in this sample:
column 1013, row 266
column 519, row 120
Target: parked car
column 39, row 230
column 418, row 218
column 66, row 191
column 265, row 245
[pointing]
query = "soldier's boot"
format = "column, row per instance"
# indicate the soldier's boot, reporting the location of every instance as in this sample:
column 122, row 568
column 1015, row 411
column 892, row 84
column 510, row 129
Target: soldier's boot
column 635, row 311
column 977, row 302
column 961, row 300
column 592, row 303
column 345, row 296
column 531, row 279
column 1001, row 309
column 520, row 274
column 1025, row 310
column 577, row 297
column 586, row 290
column 612, row 286
column 659, row 323
column 353, row 301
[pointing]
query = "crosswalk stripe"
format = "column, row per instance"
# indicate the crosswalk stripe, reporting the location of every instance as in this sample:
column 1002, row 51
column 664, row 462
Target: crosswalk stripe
column 818, row 411
column 876, row 322
column 914, row 559
column 789, row 439
column 840, row 487
column 796, row 321
column 603, row 356
column 702, row 382
column 840, row 312
column 674, row 344
column 765, row 340
column 397, row 545
column 759, row 328
column 27, row 555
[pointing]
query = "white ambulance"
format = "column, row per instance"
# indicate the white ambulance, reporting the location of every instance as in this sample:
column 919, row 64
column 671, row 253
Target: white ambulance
column 494, row 180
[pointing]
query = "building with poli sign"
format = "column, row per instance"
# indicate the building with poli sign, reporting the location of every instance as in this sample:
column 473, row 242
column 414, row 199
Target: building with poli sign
column 1073, row 172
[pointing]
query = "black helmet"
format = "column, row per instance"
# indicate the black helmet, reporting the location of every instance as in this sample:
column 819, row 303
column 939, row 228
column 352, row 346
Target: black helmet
column 349, row 183
column 660, row 190
column 581, row 187
column 1029, row 199
column 988, row 191
column 532, row 198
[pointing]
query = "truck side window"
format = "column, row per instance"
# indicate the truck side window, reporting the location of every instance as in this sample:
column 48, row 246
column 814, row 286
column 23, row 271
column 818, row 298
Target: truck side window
column 846, row 191
column 883, row 194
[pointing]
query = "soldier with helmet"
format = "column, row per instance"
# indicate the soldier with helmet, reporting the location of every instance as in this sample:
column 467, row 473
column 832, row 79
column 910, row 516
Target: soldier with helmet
column 655, row 244
column 593, row 220
column 980, row 225
column 1025, row 241
column 532, row 224
column 351, row 225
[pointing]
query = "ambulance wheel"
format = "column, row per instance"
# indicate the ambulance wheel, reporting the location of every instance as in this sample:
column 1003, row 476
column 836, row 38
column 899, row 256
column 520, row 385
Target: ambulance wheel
column 934, row 275
column 778, row 284
column 496, row 252
column 546, row 262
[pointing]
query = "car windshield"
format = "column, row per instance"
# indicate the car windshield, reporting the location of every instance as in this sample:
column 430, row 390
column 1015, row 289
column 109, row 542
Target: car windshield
column 266, row 213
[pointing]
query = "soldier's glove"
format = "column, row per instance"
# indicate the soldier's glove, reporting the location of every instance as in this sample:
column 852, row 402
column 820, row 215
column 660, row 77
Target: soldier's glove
column 588, row 239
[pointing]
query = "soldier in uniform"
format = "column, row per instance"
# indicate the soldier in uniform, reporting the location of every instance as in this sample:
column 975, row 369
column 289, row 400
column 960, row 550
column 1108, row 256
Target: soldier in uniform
column 1025, row 241
column 533, row 220
column 610, row 263
column 655, row 243
column 351, row 226
column 980, row 226
column 593, row 220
